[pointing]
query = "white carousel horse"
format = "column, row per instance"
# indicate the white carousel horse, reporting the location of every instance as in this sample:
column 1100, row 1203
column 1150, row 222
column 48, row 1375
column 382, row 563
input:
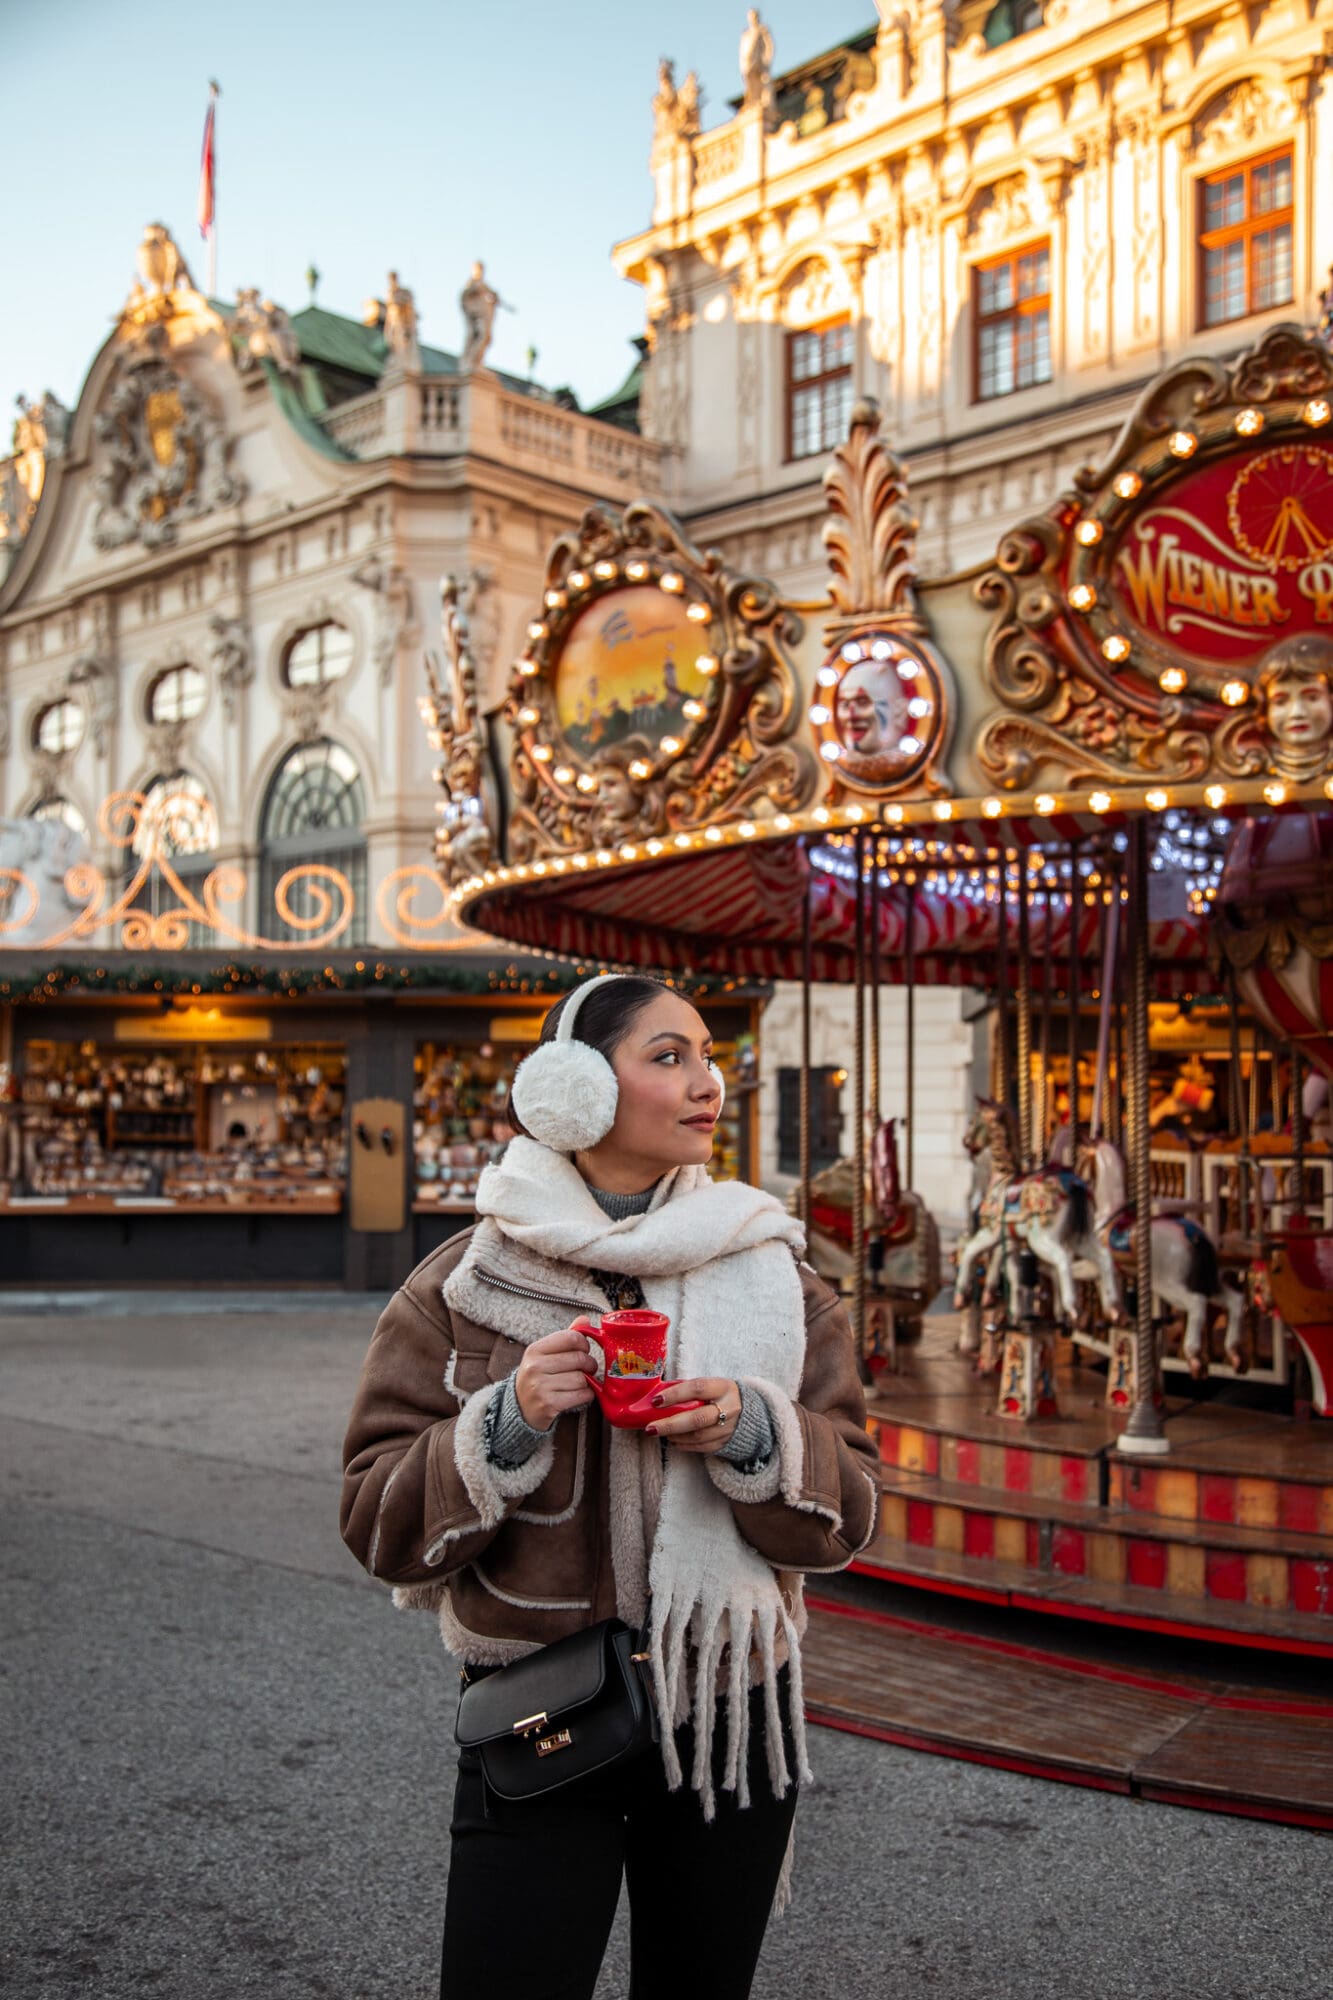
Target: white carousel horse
column 1048, row 1211
column 1185, row 1269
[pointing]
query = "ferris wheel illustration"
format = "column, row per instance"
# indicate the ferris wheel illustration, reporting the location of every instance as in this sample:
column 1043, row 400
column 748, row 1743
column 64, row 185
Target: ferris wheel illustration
column 1280, row 507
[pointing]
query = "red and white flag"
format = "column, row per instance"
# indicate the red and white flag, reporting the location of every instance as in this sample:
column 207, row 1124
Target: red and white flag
column 207, row 167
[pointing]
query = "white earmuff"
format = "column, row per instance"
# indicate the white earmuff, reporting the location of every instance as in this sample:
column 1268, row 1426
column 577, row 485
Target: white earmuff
column 566, row 1092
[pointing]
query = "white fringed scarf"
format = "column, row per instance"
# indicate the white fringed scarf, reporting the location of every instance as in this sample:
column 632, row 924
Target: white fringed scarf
column 720, row 1260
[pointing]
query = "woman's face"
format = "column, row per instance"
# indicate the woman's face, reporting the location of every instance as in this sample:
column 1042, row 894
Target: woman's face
column 669, row 1099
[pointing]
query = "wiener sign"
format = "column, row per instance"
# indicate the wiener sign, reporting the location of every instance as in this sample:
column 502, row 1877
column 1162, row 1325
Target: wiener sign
column 1232, row 556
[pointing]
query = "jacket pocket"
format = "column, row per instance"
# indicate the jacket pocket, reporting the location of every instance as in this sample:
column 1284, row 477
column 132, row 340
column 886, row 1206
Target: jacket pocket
column 557, row 1498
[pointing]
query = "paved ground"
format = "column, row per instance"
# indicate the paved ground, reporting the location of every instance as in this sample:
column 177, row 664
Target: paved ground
column 227, row 1763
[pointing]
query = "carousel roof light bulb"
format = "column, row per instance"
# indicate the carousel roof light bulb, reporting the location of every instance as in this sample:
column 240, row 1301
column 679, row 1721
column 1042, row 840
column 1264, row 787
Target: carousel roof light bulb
column 606, row 571
column 527, row 668
column 542, row 752
column 883, row 649
column 636, row 571
column 830, row 752
column 1249, row 423
column 1234, row 693
column 1043, row 805
column 1172, row 680
column 1317, row 411
column 694, row 710
column 628, row 851
column 581, row 861
column 682, row 840
column 1082, row 597
column 672, row 581
column 713, row 833
column 852, row 652
column 992, row 808
column 854, row 813
column 555, row 600
column 577, row 579
column 943, row 809
column 640, row 768
column 819, row 715
column 828, row 677
column 894, row 814
column 668, row 745
column 1182, row 444
column 1275, row 792
column 908, row 745
column 1089, row 533
column 1156, row 801
column 821, row 815
column 782, row 822
column 706, row 664
column 1099, row 802
column 699, row 612
column 1115, row 647
column 563, row 774
column 747, row 829
column 1127, row 486
column 586, row 782
column 1328, row 788
column 906, row 670
column 537, row 630
column 918, row 706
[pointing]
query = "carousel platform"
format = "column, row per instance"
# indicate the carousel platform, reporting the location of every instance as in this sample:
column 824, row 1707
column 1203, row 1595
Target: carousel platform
column 1160, row 1721
column 1227, row 1540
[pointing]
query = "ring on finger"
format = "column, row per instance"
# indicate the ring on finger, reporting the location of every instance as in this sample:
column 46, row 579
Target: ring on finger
column 722, row 1418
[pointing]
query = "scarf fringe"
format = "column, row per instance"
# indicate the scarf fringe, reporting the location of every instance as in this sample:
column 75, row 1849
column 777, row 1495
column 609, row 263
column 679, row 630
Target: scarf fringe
column 707, row 1634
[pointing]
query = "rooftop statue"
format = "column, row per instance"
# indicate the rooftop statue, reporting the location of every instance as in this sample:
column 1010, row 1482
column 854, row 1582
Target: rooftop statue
column 403, row 350
column 264, row 331
column 756, row 54
column 162, row 268
column 480, row 303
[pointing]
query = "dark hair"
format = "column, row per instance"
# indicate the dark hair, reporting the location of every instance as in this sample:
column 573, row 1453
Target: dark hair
column 603, row 1021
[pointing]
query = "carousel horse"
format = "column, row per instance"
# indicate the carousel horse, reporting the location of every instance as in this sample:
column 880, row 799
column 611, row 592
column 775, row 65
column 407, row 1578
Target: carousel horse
column 902, row 1245
column 1048, row 1211
column 1185, row 1268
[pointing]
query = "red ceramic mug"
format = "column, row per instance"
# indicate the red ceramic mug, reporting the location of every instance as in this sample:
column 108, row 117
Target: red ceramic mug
column 634, row 1344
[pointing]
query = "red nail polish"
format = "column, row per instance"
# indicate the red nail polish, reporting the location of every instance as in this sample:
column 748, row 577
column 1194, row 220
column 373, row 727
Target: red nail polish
column 657, row 1402
column 650, row 1430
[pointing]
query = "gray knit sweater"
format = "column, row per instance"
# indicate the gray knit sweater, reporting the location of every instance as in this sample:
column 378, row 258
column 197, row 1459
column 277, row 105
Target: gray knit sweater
column 511, row 1440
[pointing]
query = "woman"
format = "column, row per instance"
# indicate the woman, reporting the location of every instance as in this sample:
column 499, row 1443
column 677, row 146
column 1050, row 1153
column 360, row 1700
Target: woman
column 481, row 1482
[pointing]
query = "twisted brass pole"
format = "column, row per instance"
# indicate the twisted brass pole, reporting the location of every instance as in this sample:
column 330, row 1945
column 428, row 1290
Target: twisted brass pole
column 1143, row 1434
column 1024, row 1054
column 1002, row 1072
column 909, row 973
column 858, row 1109
column 1075, row 992
column 805, row 1047
column 876, row 1093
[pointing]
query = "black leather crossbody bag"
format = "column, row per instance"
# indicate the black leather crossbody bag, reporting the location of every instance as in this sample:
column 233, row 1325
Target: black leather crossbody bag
column 579, row 1705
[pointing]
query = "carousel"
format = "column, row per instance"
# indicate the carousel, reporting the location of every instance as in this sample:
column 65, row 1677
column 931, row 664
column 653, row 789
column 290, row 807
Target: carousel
column 1090, row 781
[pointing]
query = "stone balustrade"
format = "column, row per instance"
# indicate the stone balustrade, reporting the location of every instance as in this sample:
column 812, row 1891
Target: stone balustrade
column 452, row 415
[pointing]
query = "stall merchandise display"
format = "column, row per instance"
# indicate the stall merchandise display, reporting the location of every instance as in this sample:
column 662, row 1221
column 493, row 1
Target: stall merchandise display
column 459, row 1097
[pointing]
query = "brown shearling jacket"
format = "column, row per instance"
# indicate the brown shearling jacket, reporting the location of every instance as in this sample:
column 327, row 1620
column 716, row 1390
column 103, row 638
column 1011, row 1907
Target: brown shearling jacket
column 515, row 1558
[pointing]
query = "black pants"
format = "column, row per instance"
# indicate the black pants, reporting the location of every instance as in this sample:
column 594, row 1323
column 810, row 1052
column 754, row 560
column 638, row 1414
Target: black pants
column 533, row 1887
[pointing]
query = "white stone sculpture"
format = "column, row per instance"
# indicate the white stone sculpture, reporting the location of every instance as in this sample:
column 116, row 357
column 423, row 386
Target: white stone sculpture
column 756, row 57
column 41, row 853
column 400, row 329
column 265, row 333
column 232, row 659
column 395, row 610
column 480, row 303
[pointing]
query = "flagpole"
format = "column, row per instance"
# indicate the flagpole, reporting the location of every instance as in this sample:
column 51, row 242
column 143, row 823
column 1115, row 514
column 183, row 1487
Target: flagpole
column 214, row 94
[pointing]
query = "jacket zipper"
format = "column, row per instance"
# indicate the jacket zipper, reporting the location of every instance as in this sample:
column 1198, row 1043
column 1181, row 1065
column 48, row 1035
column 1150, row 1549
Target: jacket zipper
column 542, row 1298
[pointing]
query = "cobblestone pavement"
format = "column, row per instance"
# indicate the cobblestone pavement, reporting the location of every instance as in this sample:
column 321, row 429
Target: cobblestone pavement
column 227, row 1764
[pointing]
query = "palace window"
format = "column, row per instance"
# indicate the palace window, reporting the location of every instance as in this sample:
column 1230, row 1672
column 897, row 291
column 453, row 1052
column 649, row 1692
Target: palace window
column 177, row 695
column 1011, row 298
column 60, row 809
column 1009, row 19
column 318, row 655
column 179, row 823
column 825, row 1119
column 1245, row 228
column 58, row 728
column 312, row 816
column 819, row 388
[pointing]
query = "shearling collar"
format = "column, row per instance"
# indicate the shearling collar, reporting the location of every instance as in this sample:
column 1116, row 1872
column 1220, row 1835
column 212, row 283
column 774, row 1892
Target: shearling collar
column 491, row 1255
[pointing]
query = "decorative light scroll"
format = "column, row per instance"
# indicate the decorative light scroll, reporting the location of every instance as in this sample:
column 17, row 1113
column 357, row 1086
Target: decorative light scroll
column 316, row 901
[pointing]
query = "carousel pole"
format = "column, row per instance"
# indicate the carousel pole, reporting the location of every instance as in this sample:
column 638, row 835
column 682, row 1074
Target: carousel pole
column 1047, row 1010
column 1238, row 1103
column 876, row 1093
column 1002, row 1067
column 858, row 1110
column 909, row 973
column 1296, row 1205
column 1143, row 1434
column 1115, row 1110
column 1075, row 993
column 1023, row 1057
column 805, row 1047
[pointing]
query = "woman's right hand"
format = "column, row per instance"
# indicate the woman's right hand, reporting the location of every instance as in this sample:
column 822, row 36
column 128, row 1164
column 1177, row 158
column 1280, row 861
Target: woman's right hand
column 553, row 1376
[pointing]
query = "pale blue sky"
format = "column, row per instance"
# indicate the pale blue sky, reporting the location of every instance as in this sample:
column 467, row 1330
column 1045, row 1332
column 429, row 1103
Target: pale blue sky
column 359, row 137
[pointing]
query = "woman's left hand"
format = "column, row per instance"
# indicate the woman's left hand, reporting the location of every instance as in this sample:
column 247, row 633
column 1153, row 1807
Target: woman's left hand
column 704, row 1431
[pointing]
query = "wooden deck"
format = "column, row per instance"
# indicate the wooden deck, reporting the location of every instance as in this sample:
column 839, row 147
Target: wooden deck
column 1220, row 1745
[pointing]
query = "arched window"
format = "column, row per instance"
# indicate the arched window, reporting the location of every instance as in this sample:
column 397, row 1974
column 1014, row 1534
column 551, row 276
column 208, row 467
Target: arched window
column 62, row 809
column 178, row 821
column 177, row 695
column 59, row 727
column 1009, row 19
column 320, row 654
column 313, row 813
